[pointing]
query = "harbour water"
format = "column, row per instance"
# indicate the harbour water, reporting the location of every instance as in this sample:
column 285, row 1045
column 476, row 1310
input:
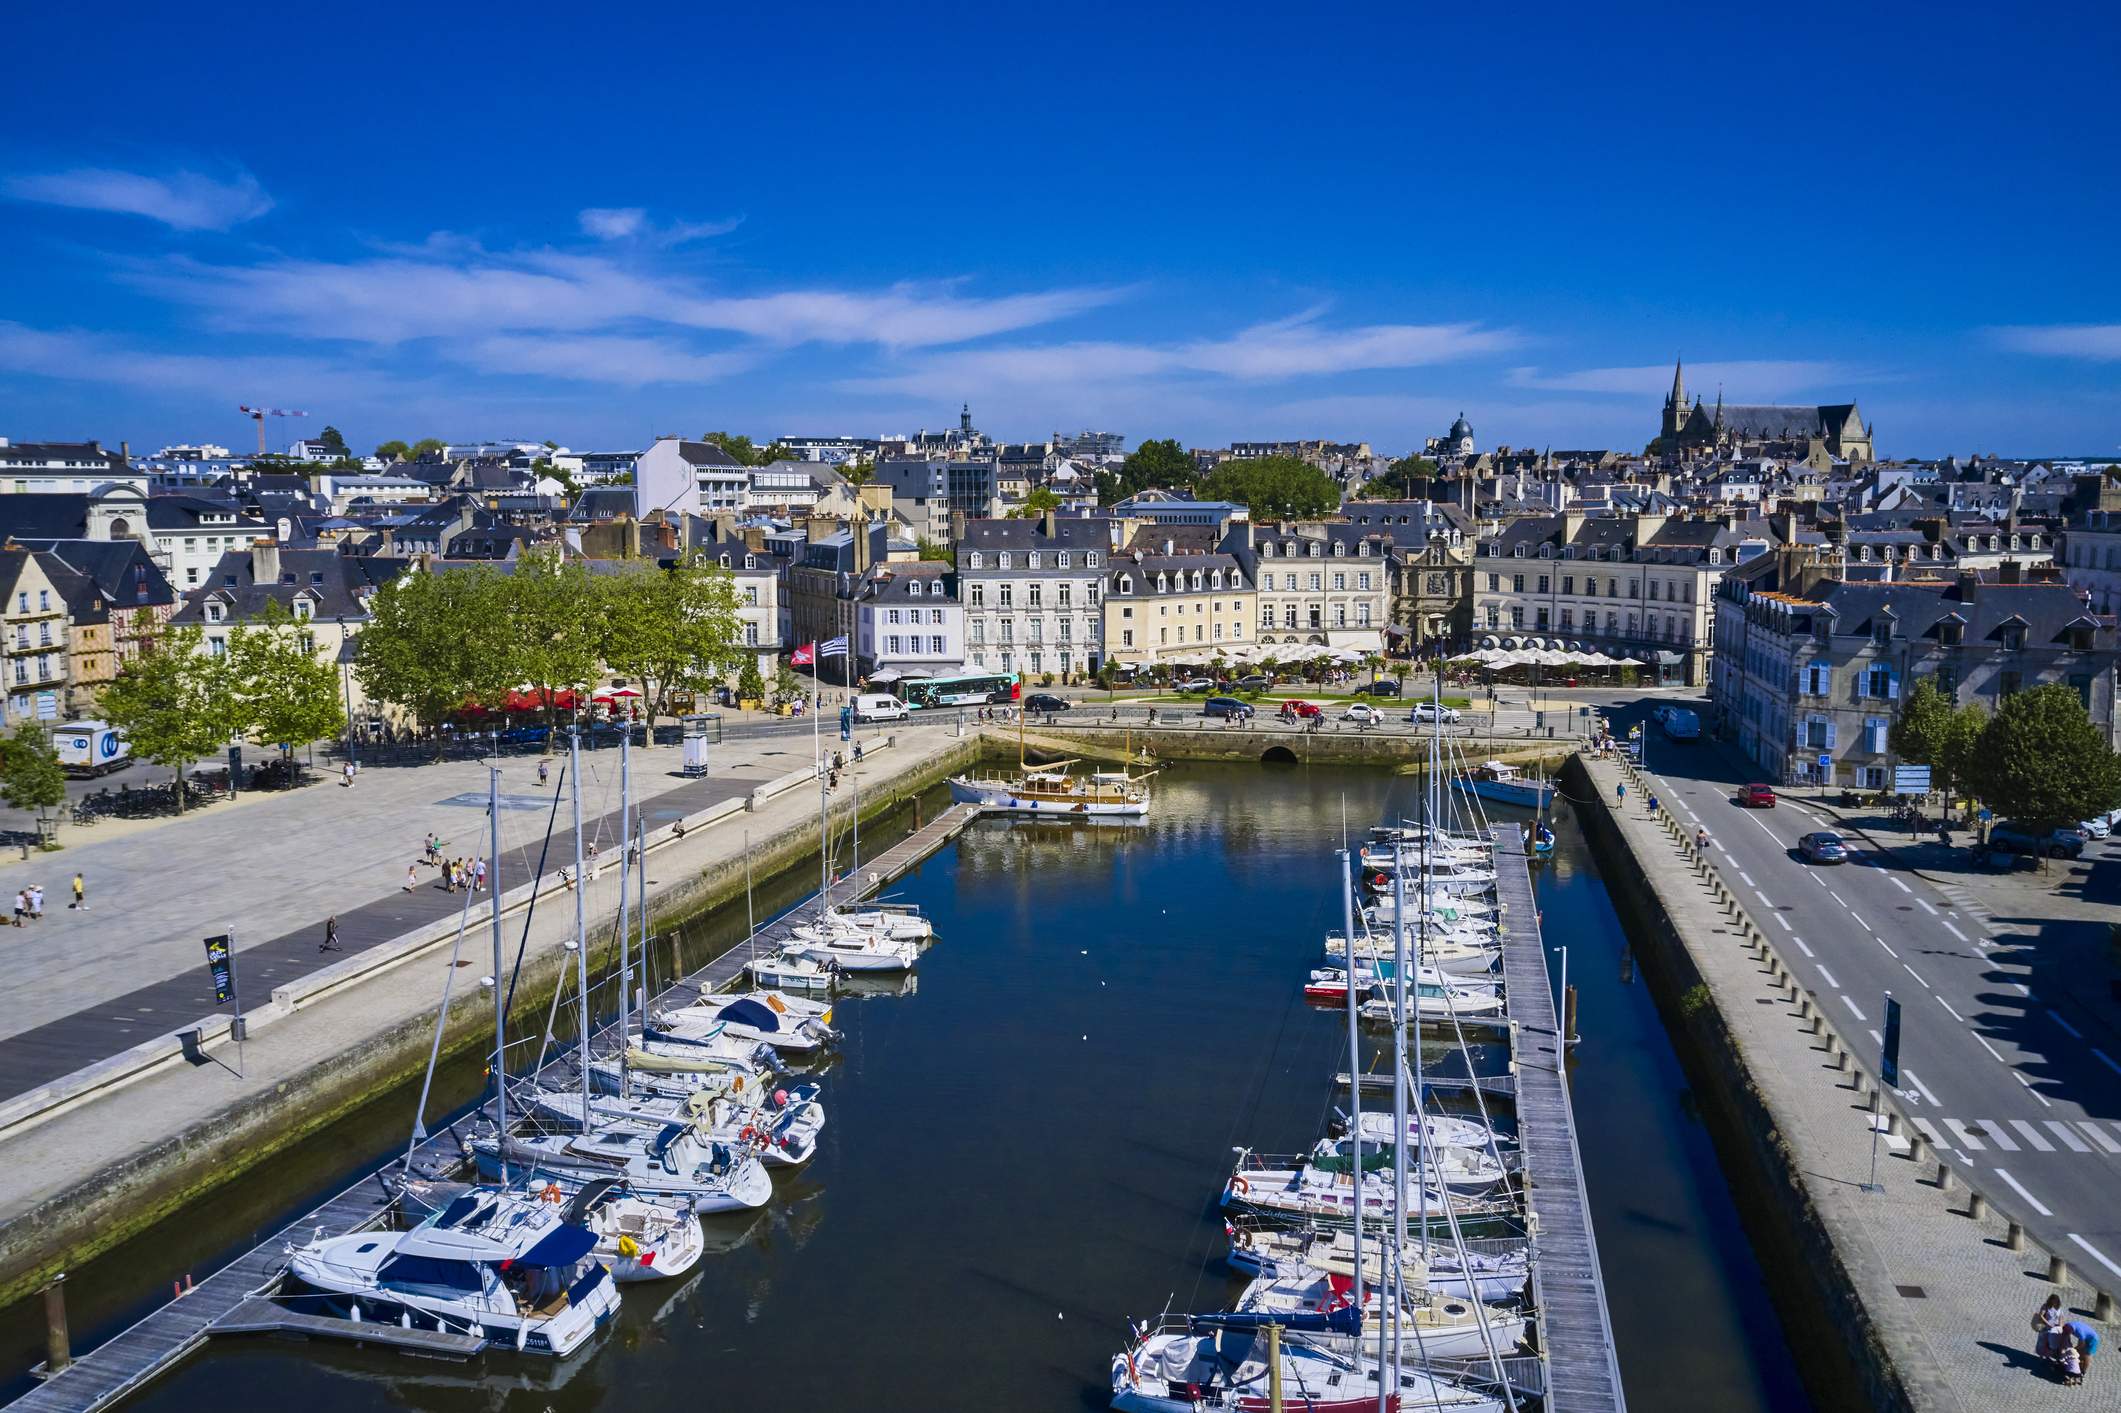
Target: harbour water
column 1026, row 1149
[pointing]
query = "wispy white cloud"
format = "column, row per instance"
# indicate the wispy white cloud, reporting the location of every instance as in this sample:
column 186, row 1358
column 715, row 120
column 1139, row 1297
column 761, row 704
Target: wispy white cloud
column 633, row 362
column 445, row 291
column 613, row 222
column 632, row 223
column 1290, row 348
column 2099, row 342
column 185, row 201
column 1746, row 379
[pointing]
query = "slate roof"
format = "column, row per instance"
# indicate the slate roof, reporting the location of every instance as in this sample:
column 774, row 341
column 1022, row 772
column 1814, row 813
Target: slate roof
column 121, row 571
column 892, row 583
column 37, row 516
column 342, row 584
column 1069, row 533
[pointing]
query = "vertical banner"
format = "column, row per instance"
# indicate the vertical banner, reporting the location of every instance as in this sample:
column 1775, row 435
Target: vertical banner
column 221, row 966
column 1889, row 1056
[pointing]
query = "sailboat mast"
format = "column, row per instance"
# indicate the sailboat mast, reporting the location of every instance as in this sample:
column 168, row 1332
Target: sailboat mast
column 625, row 837
column 500, row 1004
column 1399, row 1100
column 581, row 920
column 817, row 748
column 1347, row 914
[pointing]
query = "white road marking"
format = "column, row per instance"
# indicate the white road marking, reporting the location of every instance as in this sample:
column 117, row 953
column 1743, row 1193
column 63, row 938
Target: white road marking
column 1926, row 907
column 1955, row 932
column 1852, row 1006
column 2019, row 1187
column 2106, row 1059
column 1801, row 947
column 1781, row 919
column 1888, row 948
column 1830, row 978
column 1877, row 1039
column 1836, row 897
column 1747, row 877
column 1983, row 1041
column 2067, row 1135
column 1948, row 1006
column 1966, row 1140
column 2095, row 1253
column 1902, row 886
column 2032, row 1135
column 1998, row 1135
column 2098, row 1135
column 1853, row 917
column 2030, row 1090
column 1914, row 1079
column 1917, row 975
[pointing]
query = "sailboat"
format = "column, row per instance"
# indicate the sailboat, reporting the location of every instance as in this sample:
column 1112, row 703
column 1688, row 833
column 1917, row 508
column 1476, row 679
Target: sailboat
column 1049, row 790
column 1213, row 1363
column 1440, row 1326
column 1500, row 1270
column 637, row 1239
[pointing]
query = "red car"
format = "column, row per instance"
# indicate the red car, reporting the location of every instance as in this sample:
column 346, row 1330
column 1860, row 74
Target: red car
column 1757, row 797
column 1300, row 711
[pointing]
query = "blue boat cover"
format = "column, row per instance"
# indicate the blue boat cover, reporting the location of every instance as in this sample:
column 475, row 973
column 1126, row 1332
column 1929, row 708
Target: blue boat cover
column 563, row 1247
column 745, row 1011
column 1346, row 1320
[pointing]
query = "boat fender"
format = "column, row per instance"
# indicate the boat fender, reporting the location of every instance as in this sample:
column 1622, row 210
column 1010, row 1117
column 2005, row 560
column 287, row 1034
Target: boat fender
column 628, row 1247
column 1239, row 1186
column 551, row 1193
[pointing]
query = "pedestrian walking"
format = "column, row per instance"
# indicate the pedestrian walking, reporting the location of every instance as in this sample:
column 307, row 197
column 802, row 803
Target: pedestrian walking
column 478, row 874
column 427, row 845
column 1620, row 792
column 36, row 902
column 80, row 894
column 21, row 906
column 1701, row 841
column 412, row 877
column 331, row 935
column 544, row 770
column 1653, row 802
column 2085, row 1343
column 348, row 781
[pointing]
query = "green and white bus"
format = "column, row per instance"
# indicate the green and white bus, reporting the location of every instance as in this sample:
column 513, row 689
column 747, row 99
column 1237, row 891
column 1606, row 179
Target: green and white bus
column 966, row 689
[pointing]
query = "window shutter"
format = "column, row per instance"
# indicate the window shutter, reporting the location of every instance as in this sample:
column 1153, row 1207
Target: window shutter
column 1892, row 684
column 1830, row 737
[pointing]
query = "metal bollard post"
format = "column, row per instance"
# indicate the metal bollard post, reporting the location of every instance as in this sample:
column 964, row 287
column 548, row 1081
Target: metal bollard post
column 2057, row 1270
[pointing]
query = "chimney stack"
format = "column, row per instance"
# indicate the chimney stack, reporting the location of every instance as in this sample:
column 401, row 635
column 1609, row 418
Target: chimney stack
column 264, row 561
column 1049, row 523
column 2011, row 573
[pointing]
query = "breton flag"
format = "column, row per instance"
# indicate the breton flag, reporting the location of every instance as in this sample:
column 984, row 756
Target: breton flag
column 803, row 656
column 833, row 647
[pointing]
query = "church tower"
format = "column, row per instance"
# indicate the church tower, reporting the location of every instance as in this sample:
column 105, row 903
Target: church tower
column 1675, row 408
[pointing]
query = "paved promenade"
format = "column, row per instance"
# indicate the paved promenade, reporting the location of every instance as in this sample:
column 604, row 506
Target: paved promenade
column 1947, row 1297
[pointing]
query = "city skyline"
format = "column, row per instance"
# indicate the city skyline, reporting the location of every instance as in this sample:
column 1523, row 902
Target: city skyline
column 1356, row 229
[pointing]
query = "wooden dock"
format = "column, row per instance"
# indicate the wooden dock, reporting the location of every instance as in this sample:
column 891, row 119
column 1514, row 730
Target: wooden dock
column 234, row 1299
column 1575, row 1329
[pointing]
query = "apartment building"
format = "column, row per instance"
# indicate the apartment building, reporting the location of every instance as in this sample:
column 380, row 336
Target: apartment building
column 33, row 638
column 1033, row 592
column 908, row 622
column 1166, row 609
column 1319, row 584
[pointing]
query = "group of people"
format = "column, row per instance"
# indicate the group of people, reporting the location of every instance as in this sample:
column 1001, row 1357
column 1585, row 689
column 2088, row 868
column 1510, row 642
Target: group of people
column 456, row 874
column 29, row 902
column 2067, row 1345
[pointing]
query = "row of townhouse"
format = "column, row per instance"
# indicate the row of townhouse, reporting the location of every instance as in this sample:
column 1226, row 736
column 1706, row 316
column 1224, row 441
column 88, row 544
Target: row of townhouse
column 1811, row 665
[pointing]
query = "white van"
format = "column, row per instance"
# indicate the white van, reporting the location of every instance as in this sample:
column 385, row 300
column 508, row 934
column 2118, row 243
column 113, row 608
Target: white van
column 878, row 706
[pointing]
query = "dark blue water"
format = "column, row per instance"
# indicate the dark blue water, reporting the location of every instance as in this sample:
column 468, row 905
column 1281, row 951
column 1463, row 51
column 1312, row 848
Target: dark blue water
column 1026, row 1150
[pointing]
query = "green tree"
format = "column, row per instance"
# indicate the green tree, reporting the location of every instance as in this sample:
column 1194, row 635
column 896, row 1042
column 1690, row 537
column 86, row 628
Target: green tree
column 1275, row 487
column 1155, row 464
column 1408, row 477
column 857, row 472
column 553, row 611
column 427, row 446
column 1036, row 504
column 1931, row 731
column 288, row 697
column 1108, row 488
column 393, row 451
column 671, row 630
column 736, row 444
column 750, row 682
column 435, row 640
column 30, row 775
column 2042, row 762
column 777, row 451
column 787, row 687
column 936, row 552
column 177, row 702
column 334, row 443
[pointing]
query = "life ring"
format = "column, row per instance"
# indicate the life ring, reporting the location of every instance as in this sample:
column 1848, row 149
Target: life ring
column 1239, row 1186
column 748, row 1133
column 552, row 1193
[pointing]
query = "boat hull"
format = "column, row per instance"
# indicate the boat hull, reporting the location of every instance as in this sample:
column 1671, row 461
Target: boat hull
column 1002, row 798
column 1530, row 794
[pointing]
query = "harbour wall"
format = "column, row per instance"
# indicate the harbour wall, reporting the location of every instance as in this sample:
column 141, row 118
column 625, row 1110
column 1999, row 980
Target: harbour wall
column 1266, row 745
column 156, row 1180
column 1845, row 1362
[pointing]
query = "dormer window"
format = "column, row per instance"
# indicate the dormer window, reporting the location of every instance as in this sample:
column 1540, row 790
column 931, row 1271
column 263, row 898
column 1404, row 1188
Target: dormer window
column 1882, row 631
column 1339, row 549
column 213, row 613
column 1060, row 560
column 304, row 609
column 1163, row 583
column 1237, row 580
column 2011, row 637
column 751, row 561
column 1266, row 551
column 1951, row 633
column 725, row 561
column 1518, row 551
column 973, row 560
column 1715, row 556
column 1001, row 561
column 1091, row 559
column 1126, row 583
column 1365, row 547
column 1198, row 580
column 1031, row 560
column 913, row 589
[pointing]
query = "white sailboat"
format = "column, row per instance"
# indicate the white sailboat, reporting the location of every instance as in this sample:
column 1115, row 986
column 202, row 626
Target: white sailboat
column 1438, row 1326
column 1201, row 1365
column 1488, row 1274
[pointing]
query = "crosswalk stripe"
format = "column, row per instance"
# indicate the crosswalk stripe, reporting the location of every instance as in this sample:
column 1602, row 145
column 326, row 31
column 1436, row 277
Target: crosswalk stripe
column 1929, row 1131
column 2032, row 1135
column 1972, row 1143
column 1997, row 1134
column 2064, row 1132
column 2099, row 1137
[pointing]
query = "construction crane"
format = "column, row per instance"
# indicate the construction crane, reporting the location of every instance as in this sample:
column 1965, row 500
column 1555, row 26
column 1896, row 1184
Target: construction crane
column 259, row 414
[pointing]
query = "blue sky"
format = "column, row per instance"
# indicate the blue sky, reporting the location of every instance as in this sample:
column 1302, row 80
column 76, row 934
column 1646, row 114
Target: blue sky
column 1210, row 223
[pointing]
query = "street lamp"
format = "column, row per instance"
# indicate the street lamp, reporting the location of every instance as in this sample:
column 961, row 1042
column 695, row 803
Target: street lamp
column 346, row 686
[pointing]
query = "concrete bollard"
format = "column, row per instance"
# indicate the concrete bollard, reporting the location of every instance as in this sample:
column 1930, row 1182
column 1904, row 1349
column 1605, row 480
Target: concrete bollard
column 1892, row 1121
column 1944, row 1176
column 1918, row 1148
column 2013, row 1237
column 1976, row 1206
column 2103, row 1308
column 2057, row 1270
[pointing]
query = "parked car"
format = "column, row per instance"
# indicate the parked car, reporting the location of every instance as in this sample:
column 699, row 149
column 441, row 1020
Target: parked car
column 2097, row 827
column 1823, row 846
column 2064, row 843
column 1363, row 713
column 1757, row 797
column 1428, row 713
column 1227, row 707
column 1253, row 682
column 1045, row 701
column 1296, row 709
column 1193, row 684
column 1382, row 687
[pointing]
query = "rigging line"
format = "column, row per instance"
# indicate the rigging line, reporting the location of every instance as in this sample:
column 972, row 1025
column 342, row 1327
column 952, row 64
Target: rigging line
column 530, row 912
column 434, row 1054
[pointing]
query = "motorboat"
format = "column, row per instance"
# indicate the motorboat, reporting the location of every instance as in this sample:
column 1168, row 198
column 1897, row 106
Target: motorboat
column 902, row 922
column 1439, row 1000
column 1506, row 785
column 1210, row 1364
column 765, row 1018
column 788, row 1119
column 1440, row 1130
column 676, row 1162
column 1434, row 1326
column 850, row 951
column 638, row 1239
column 1488, row 1270
column 1464, row 950
column 495, row 1264
column 790, row 971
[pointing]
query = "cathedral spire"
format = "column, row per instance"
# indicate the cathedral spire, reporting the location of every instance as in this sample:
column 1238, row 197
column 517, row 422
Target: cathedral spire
column 1678, row 383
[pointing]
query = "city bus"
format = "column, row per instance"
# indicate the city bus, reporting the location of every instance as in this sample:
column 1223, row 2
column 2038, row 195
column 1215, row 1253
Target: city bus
column 966, row 689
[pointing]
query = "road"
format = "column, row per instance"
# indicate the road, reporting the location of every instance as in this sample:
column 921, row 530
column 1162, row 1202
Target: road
column 2021, row 1091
